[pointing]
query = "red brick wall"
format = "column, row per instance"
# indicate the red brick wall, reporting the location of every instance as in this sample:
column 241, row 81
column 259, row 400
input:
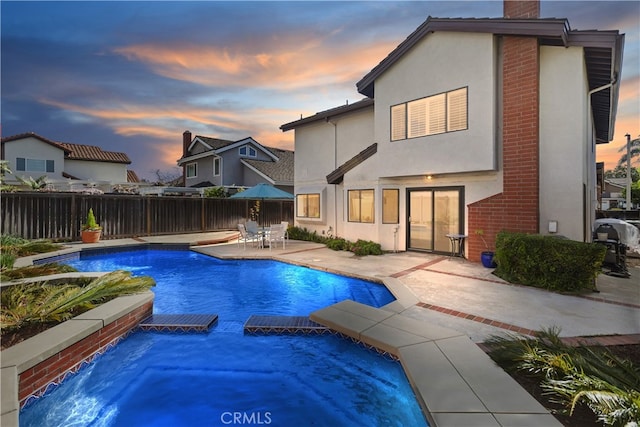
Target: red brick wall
column 517, row 207
column 521, row 9
column 34, row 380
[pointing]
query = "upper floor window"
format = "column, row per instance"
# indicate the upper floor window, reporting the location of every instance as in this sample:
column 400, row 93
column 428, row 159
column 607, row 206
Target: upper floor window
column 34, row 165
column 217, row 163
column 308, row 205
column 444, row 112
column 248, row 151
column 192, row 170
column 361, row 206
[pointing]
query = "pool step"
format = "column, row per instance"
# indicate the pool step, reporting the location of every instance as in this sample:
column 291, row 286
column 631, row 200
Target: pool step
column 283, row 325
column 178, row 322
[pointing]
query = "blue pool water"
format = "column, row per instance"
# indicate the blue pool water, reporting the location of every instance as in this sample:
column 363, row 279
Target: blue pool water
column 225, row 377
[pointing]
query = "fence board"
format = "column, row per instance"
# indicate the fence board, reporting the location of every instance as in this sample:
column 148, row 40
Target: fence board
column 59, row 216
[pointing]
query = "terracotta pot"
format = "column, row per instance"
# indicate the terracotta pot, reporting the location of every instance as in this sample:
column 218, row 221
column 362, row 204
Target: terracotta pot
column 91, row 236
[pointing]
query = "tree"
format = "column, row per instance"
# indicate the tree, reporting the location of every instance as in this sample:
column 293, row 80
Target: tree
column 167, row 177
column 621, row 172
column 634, row 151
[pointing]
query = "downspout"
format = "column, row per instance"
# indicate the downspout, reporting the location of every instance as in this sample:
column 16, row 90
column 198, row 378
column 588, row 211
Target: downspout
column 335, row 166
column 592, row 179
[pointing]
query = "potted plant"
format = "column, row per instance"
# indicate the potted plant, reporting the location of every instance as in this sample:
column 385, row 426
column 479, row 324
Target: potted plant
column 91, row 230
column 486, row 257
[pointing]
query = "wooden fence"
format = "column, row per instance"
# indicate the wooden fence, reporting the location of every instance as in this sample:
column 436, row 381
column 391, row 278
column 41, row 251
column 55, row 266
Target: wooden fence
column 59, row 216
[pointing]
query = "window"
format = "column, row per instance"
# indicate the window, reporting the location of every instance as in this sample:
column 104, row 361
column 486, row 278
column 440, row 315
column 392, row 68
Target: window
column 216, row 166
column 248, row 151
column 361, row 206
column 34, row 165
column 192, row 170
column 308, row 205
column 390, row 206
column 444, row 112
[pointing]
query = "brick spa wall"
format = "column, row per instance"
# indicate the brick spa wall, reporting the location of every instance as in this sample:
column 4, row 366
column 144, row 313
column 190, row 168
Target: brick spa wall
column 66, row 348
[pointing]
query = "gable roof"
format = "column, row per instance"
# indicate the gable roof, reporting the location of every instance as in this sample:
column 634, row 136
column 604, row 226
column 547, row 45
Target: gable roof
column 279, row 172
column 602, row 52
column 76, row 151
column 327, row 114
column 93, row 153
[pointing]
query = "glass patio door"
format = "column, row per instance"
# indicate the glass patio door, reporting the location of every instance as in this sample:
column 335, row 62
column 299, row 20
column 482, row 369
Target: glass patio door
column 434, row 213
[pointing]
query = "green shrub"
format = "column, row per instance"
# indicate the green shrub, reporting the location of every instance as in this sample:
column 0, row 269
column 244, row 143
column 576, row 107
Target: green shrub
column 6, row 260
column 366, row 247
column 297, row 233
column 548, row 262
column 216, row 192
column 338, row 244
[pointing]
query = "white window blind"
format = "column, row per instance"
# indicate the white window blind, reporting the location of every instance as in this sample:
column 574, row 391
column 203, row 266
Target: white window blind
column 398, row 122
column 437, row 114
column 417, row 113
column 457, row 110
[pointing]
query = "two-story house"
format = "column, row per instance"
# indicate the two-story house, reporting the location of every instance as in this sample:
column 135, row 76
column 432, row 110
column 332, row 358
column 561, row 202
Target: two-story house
column 468, row 125
column 32, row 155
column 213, row 162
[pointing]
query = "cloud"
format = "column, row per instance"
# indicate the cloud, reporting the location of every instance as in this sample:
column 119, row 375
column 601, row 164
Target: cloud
column 289, row 62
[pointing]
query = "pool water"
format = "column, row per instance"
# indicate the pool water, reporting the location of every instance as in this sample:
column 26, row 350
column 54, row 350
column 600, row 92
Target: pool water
column 225, row 377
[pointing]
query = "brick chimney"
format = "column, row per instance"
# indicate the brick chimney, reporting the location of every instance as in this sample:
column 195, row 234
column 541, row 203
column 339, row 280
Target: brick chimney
column 517, row 207
column 186, row 141
column 516, row 9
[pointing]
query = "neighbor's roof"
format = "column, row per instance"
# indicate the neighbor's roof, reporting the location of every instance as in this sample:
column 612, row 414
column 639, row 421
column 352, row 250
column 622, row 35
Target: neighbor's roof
column 76, row 151
column 279, row 172
column 93, row 153
column 602, row 53
column 132, row 176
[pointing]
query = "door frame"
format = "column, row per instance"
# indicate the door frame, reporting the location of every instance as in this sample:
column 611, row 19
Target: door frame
column 461, row 210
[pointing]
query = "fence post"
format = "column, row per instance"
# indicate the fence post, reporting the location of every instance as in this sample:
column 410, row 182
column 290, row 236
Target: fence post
column 73, row 230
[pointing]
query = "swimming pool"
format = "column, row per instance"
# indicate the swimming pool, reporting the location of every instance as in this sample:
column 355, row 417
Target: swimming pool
column 225, row 377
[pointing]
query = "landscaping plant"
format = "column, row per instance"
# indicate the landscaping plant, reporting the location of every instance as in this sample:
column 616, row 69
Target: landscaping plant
column 572, row 376
column 26, row 304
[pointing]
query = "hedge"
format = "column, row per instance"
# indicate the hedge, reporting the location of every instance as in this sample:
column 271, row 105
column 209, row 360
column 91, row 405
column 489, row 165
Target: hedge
column 548, row 262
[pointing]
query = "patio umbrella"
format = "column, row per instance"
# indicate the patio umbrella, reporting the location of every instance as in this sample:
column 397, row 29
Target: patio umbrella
column 263, row 191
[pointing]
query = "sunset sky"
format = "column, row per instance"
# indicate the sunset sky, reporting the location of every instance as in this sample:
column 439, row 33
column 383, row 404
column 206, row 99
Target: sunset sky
column 132, row 76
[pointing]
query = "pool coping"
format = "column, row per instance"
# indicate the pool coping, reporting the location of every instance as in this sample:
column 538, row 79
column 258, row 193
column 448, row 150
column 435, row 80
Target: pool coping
column 434, row 359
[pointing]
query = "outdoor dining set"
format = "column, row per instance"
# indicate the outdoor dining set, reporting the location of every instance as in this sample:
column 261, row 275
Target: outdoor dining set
column 262, row 236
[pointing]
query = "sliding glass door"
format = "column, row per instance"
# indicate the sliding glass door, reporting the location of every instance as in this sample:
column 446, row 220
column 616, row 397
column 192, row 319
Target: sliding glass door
column 434, row 213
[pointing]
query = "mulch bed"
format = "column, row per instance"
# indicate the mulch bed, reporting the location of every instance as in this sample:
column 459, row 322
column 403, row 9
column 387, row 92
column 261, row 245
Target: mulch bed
column 582, row 415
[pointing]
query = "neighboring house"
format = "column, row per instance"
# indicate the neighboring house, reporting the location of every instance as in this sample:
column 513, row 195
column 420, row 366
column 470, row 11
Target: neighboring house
column 469, row 124
column 612, row 194
column 31, row 155
column 209, row 162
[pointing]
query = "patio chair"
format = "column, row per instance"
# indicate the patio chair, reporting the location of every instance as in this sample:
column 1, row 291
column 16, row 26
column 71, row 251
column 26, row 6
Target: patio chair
column 285, row 225
column 252, row 227
column 246, row 236
column 276, row 234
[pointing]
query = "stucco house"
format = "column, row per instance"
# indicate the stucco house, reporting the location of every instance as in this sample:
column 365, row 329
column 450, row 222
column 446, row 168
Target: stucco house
column 32, row 155
column 213, row 162
column 469, row 124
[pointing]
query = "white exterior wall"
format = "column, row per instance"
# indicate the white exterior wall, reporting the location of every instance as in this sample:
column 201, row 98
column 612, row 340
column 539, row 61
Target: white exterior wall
column 565, row 147
column 33, row 148
column 97, row 171
column 439, row 63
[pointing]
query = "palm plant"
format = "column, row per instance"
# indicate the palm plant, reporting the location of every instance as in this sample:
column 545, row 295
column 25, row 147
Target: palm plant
column 633, row 152
column 43, row 303
column 593, row 376
column 35, row 184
